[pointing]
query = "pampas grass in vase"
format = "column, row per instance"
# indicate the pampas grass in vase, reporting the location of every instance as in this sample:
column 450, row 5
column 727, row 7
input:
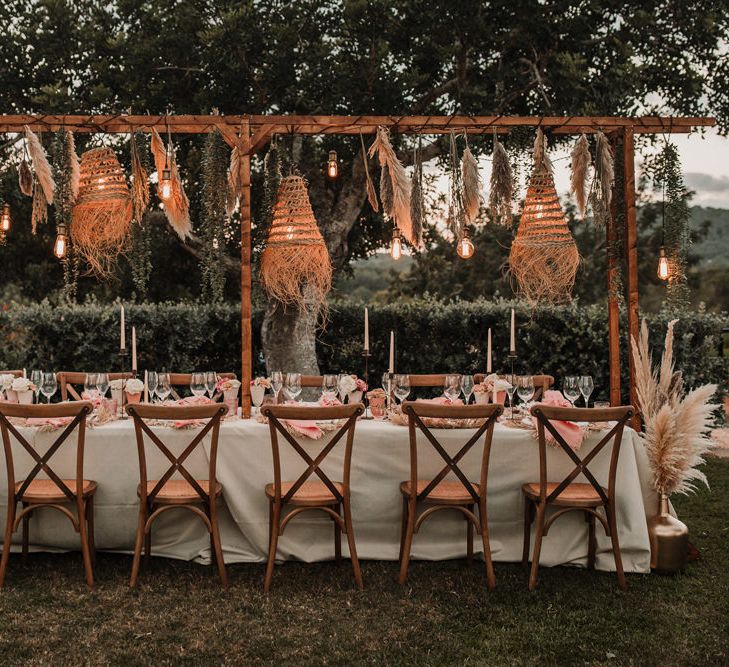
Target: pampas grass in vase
column 676, row 438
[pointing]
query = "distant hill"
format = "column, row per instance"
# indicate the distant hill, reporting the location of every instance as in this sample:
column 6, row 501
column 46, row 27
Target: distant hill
column 713, row 251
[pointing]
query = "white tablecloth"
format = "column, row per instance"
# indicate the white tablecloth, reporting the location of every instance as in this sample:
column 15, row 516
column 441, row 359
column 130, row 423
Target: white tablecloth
column 380, row 462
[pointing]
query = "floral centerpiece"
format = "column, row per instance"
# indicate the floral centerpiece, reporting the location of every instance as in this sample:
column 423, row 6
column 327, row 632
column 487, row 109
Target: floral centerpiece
column 23, row 389
column 6, row 383
column 352, row 387
column 378, row 403
column 229, row 387
column 258, row 390
column 134, row 388
column 493, row 388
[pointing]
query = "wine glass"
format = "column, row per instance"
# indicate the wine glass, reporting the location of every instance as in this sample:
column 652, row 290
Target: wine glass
column 36, row 377
column 467, row 387
column 48, row 385
column 211, row 381
column 571, row 389
column 525, row 388
column 452, row 387
column 329, row 386
column 102, row 384
column 164, row 387
column 197, row 384
column 586, row 387
column 513, row 380
column 276, row 383
column 401, row 385
column 292, row 386
column 152, row 381
column 90, row 388
column 341, row 391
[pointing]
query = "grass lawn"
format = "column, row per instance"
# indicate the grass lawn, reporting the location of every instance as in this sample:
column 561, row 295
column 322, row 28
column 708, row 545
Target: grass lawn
column 443, row 616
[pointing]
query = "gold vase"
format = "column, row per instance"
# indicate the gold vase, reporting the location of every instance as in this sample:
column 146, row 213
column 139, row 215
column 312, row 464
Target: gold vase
column 669, row 540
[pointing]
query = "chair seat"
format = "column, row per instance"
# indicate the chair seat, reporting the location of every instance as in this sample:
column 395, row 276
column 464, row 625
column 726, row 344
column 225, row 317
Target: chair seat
column 448, row 491
column 576, row 494
column 47, row 491
column 180, row 491
column 312, row 492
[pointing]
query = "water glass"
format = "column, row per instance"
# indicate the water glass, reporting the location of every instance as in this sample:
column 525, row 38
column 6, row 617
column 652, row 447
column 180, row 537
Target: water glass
column 525, row 388
column 276, row 383
column 452, row 387
column 342, row 392
column 571, row 389
column 197, row 384
column 513, row 381
column 36, row 377
column 164, row 386
column 48, row 385
column 401, row 386
column 467, row 387
column 90, row 388
column 152, row 380
column 211, row 381
column 292, row 386
column 586, row 386
column 102, row 384
column 329, row 386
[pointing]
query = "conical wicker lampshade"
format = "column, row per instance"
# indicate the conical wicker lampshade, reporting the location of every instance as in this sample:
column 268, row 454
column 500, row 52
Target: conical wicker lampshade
column 103, row 210
column 295, row 264
column 544, row 257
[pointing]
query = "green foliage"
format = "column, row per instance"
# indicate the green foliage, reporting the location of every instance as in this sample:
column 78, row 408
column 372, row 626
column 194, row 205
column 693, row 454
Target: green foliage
column 431, row 337
column 216, row 158
column 140, row 252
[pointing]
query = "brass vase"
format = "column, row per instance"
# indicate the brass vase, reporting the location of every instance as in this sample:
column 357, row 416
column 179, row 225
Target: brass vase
column 669, row 540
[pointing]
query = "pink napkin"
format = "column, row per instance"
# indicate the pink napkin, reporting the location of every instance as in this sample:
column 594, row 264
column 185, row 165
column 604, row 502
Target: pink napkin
column 572, row 433
column 189, row 400
column 303, row 427
column 440, row 400
column 55, row 422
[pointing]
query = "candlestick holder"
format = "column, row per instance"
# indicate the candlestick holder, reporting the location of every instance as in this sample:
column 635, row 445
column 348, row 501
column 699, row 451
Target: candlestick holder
column 512, row 359
column 366, row 356
column 123, row 363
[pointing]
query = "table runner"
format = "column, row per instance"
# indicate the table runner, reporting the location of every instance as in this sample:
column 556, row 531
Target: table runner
column 380, row 462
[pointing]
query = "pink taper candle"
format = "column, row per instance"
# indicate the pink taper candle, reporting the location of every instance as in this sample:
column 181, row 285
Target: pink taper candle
column 367, row 331
column 512, row 345
column 391, row 368
column 488, row 357
column 122, row 336
column 134, row 349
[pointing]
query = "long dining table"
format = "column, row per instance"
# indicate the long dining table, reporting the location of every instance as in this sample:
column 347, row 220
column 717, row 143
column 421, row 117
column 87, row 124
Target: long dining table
column 380, row 462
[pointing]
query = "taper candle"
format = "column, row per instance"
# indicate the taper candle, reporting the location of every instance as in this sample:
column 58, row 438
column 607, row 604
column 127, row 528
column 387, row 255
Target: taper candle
column 367, row 331
column 488, row 356
column 512, row 345
column 122, row 337
column 146, row 387
column 134, row 349
column 391, row 368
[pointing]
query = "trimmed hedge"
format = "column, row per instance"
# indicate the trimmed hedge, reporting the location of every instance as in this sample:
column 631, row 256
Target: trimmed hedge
column 432, row 337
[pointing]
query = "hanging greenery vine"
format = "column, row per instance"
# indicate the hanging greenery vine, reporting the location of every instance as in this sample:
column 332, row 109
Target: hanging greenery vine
column 417, row 202
column 140, row 255
column 215, row 161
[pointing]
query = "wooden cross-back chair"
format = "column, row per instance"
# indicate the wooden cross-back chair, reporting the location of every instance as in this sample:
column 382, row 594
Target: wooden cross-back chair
column 440, row 493
column 183, row 380
column 542, row 383
column 54, row 492
column 302, row 495
column 568, row 495
column 157, row 496
column 67, row 380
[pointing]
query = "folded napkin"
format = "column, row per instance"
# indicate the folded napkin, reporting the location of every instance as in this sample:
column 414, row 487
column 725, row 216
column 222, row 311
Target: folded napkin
column 53, row 422
column 440, row 400
column 303, row 427
column 572, row 433
column 188, row 401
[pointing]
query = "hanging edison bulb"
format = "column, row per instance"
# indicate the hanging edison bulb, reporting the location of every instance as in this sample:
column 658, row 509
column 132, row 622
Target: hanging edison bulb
column 662, row 264
column 5, row 218
column 332, row 165
column 59, row 247
column 165, row 184
column 465, row 247
column 396, row 245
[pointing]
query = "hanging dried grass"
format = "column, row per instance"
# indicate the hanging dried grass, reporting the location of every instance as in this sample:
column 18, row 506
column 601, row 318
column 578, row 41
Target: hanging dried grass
column 103, row 210
column 580, row 165
column 234, row 182
column 140, row 182
column 25, row 178
column 471, row 186
column 371, row 193
column 39, row 213
column 397, row 207
column 502, row 186
column 544, row 257
column 417, row 204
column 177, row 207
column 295, row 264
column 75, row 180
column 456, row 212
column 41, row 166
column 602, row 184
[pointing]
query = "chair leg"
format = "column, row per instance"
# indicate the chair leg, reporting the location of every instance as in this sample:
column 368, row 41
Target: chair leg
column 26, row 528
column 403, row 526
column 90, row 528
column 591, row 540
column 217, row 547
column 9, row 521
column 541, row 509
column 338, row 537
column 148, row 542
column 612, row 522
column 138, row 542
column 484, row 523
column 469, row 538
column 352, row 548
column 275, row 520
column 528, row 519
column 407, row 542
column 85, row 551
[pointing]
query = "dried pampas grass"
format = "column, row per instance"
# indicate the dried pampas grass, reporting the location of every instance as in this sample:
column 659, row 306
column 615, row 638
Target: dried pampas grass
column 396, row 186
column 471, row 186
column 25, row 178
column 371, row 192
column 417, row 203
column 140, row 182
column 602, row 186
column 502, row 186
column 580, row 165
column 41, row 166
column 234, row 182
column 177, row 207
column 39, row 212
column 541, row 158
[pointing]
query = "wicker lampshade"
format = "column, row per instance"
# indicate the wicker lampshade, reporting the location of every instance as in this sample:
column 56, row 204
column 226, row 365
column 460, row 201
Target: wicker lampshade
column 103, row 210
column 295, row 264
column 544, row 256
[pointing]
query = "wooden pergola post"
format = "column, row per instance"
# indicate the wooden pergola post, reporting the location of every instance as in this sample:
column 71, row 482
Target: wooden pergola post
column 246, row 330
column 613, row 278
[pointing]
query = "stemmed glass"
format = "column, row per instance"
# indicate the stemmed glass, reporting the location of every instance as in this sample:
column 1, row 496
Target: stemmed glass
column 292, row 387
column 102, row 384
column 467, row 387
column 276, row 383
column 164, row 388
column 586, row 387
column 571, row 389
column 401, row 386
column 525, row 388
column 48, row 385
column 513, row 380
column 329, row 387
column 452, row 387
column 211, row 381
column 342, row 392
column 197, row 384
column 152, row 381
column 90, row 388
column 36, row 377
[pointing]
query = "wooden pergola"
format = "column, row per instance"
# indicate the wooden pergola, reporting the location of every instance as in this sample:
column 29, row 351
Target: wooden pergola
column 251, row 133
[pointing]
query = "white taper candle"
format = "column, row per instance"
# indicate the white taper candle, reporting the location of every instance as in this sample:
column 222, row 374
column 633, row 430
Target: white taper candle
column 122, row 337
column 512, row 345
column 134, row 349
column 488, row 355
column 391, row 368
column 367, row 331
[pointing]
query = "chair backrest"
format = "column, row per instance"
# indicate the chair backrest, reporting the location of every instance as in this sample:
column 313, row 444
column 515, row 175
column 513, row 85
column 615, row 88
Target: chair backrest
column 277, row 414
column 434, row 380
column 309, row 381
column 212, row 413
column 417, row 411
column 67, row 380
column 17, row 374
column 77, row 412
column 541, row 383
column 183, row 380
column 547, row 414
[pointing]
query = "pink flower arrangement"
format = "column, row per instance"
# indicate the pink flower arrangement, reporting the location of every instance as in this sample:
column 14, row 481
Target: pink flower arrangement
column 360, row 385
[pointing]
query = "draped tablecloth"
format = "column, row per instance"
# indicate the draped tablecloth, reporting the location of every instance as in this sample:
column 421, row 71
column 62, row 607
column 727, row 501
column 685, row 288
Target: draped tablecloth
column 380, row 462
